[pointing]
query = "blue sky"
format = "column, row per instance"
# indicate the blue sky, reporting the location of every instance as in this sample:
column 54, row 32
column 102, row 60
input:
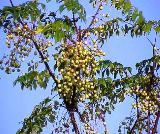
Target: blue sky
column 16, row 104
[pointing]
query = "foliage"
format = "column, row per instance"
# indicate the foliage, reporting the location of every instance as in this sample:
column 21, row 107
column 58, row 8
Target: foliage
column 88, row 87
column 41, row 114
column 32, row 79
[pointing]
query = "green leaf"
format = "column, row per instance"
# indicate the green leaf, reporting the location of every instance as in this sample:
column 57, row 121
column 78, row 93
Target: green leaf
column 140, row 19
column 102, row 82
column 135, row 15
column 61, row 8
column 148, row 27
column 109, row 79
column 75, row 7
column 32, row 79
column 51, row 118
column 127, row 6
column 130, row 70
column 39, row 29
column 115, row 74
column 107, row 72
column 48, row 1
column 55, row 66
column 38, row 118
column 43, row 5
column 157, row 29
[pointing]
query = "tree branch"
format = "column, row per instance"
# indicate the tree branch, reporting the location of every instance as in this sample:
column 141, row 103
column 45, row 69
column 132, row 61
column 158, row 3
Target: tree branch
column 74, row 22
column 156, row 123
column 93, row 18
column 45, row 63
column 137, row 120
column 11, row 3
column 74, row 123
column 40, row 53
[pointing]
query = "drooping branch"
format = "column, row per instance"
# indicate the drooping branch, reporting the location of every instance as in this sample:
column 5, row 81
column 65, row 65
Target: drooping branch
column 45, row 63
column 37, row 48
column 137, row 107
column 42, row 56
column 158, row 113
column 70, row 107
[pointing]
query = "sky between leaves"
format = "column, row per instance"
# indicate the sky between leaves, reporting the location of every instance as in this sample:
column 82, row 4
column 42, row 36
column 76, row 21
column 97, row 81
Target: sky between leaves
column 16, row 104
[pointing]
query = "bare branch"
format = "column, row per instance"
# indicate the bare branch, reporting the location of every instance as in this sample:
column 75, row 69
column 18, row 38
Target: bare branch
column 150, row 42
column 93, row 18
column 11, row 3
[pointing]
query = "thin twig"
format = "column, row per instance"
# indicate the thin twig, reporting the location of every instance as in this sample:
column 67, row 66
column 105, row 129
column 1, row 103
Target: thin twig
column 93, row 19
column 11, row 3
column 94, row 16
column 74, row 22
column 150, row 42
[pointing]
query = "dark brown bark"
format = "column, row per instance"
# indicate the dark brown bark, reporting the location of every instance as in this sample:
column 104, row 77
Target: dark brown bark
column 45, row 63
column 71, row 108
column 74, row 123
column 11, row 3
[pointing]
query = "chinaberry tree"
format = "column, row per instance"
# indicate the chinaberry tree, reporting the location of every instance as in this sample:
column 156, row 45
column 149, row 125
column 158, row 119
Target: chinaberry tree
column 67, row 48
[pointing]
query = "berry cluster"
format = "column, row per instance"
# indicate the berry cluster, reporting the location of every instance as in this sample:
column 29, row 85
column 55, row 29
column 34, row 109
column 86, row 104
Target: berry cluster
column 19, row 40
column 78, row 66
column 147, row 101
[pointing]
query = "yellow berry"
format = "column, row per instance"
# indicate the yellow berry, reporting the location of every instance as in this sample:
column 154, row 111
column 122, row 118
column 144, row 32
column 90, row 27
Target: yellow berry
column 101, row 7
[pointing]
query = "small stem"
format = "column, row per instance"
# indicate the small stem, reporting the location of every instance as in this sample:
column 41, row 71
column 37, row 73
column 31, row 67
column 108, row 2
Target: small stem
column 150, row 88
column 11, row 3
column 75, row 25
column 95, row 16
